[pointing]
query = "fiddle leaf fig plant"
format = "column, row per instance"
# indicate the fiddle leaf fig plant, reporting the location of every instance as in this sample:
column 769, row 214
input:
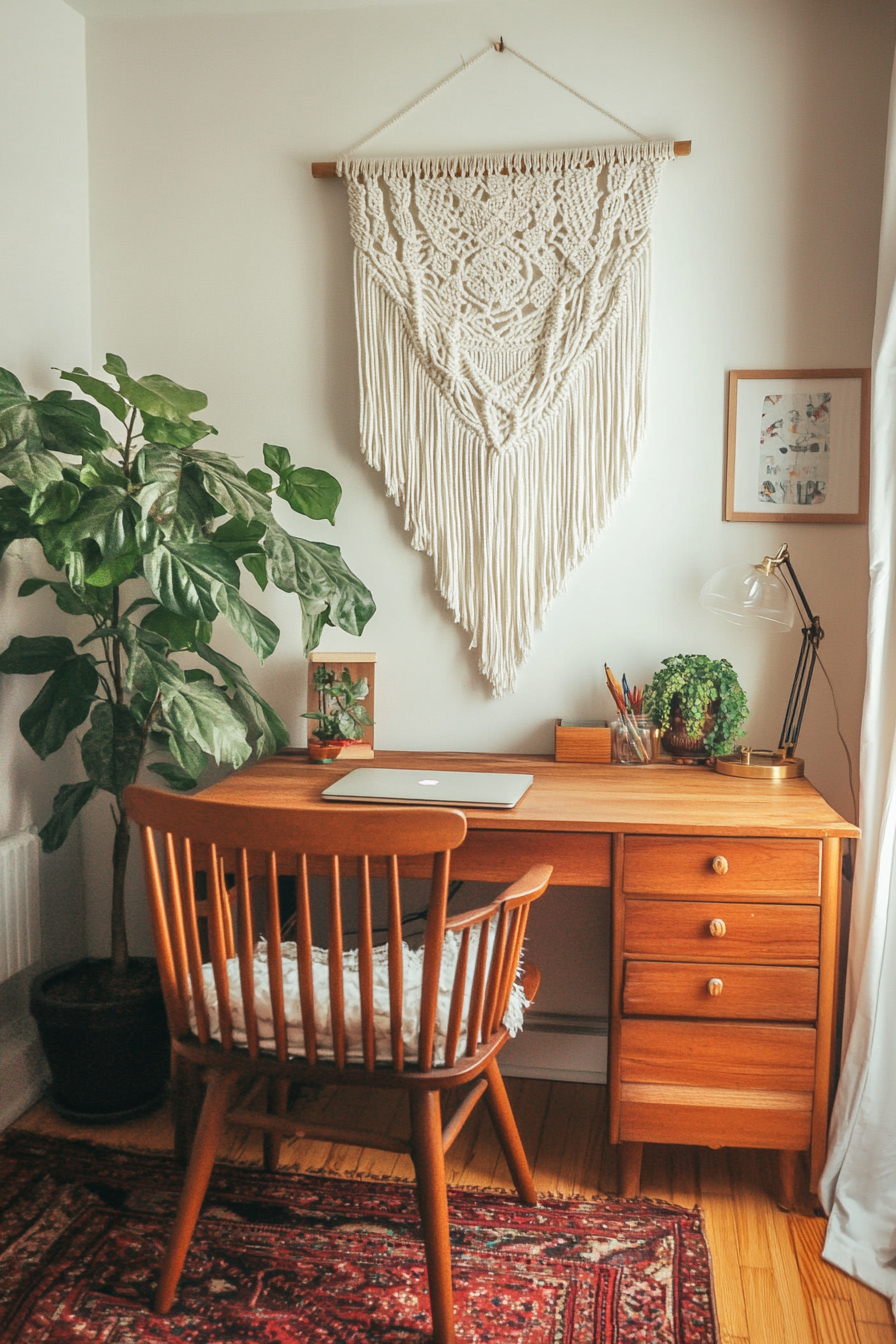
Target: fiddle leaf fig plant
column 149, row 530
column 701, row 684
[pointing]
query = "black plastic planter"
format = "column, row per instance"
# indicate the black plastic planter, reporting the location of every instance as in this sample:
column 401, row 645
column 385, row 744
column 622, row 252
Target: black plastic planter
column 109, row 1061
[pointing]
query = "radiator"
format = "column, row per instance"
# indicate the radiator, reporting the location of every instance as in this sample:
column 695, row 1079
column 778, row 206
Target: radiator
column 19, row 903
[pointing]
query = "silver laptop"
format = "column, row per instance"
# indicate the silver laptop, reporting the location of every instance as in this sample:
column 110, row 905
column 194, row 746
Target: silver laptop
column 460, row 788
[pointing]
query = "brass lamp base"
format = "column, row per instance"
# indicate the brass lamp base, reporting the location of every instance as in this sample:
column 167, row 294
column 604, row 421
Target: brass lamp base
column 760, row 763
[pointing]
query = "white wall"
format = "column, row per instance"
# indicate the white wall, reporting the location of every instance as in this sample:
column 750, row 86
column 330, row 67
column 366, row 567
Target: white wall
column 219, row 261
column 44, row 321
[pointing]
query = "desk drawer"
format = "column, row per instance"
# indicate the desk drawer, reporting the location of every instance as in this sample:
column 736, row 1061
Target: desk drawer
column 681, row 989
column 723, row 867
column 721, row 1083
column 683, row 931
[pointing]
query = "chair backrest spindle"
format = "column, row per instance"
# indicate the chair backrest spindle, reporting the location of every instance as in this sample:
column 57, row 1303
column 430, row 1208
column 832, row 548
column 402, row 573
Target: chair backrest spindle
column 334, row 959
column 194, row 948
column 246, row 939
column 218, row 947
column 275, row 956
column 365, row 963
column 303, row 957
column 396, row 964
column 455, row 1015
column 176, row 921
column 432, row 956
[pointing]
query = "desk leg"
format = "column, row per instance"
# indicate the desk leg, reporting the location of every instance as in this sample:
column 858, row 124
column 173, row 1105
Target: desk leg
column 630, row 1155
column 787, row 1178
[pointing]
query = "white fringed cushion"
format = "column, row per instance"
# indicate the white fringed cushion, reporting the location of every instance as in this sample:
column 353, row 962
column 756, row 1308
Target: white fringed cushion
column 413, row 979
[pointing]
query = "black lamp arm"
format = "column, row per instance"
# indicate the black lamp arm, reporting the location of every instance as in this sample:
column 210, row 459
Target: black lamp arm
column 805, row 666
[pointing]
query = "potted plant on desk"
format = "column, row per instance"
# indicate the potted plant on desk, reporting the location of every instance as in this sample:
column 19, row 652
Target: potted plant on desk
column 340, row 718
column 146, row 531
column 700, row 705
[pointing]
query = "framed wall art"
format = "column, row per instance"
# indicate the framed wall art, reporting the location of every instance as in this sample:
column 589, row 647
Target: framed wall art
column 797, row 445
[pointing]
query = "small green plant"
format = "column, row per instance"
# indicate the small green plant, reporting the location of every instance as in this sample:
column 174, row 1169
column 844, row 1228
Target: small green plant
column 340, row 716
column 701, row 684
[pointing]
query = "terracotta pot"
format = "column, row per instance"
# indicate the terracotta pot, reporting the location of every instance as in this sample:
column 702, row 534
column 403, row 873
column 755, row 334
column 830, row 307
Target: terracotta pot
column 679, row 743
column 327, row 751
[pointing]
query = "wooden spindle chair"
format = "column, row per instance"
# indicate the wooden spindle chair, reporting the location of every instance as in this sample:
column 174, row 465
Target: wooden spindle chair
column 214, row 1017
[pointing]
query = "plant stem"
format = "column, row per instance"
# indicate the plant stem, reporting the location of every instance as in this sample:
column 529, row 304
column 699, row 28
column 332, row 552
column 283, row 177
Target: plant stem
column 119, row 871
column 116, row 650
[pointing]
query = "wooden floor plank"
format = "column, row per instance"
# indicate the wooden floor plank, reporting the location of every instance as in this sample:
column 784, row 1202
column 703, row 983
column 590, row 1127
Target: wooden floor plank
column 763, row 1304
column 835, row 1321
column 752, row 1211
column 771, row 1285
column 827, row 1281
column 870, row 1333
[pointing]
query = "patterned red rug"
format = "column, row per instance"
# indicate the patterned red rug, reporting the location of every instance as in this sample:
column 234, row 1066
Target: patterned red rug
column 293, row 1259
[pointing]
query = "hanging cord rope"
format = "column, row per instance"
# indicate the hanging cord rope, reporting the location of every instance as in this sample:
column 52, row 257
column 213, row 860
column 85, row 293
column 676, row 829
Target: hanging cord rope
column 418, row 102
column 468, row 65
column 575, row 93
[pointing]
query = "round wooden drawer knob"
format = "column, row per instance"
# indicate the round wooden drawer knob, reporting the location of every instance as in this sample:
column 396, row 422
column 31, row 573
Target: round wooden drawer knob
column 720, row 864
column 715, row 988
column 717, row 928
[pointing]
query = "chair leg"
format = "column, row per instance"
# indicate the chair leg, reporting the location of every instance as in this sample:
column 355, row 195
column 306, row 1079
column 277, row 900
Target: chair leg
column 186, row 1103
column 278, row 1095
column 202, row 1159
column 498, row 1104
column 432, row 1197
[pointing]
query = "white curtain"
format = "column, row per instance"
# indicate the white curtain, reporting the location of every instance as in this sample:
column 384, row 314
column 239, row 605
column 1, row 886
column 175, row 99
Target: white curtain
column 858, row 1186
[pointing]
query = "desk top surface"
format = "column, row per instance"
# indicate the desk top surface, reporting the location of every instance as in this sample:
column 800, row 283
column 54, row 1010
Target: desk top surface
column 656, row 799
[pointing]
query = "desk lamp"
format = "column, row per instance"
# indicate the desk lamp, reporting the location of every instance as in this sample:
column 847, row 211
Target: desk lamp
column 756, row 597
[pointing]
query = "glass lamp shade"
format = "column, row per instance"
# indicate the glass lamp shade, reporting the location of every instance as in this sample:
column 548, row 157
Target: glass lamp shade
column 748, row 596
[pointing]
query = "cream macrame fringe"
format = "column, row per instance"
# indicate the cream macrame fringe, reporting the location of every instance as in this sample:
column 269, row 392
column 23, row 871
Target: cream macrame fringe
column 506, row 498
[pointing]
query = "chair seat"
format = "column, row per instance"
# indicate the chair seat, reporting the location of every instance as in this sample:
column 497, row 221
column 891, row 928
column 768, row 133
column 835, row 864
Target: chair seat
column 413, row 977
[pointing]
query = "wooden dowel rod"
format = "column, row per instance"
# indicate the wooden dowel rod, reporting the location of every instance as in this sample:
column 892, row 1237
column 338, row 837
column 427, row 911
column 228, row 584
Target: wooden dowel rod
column 682, row 149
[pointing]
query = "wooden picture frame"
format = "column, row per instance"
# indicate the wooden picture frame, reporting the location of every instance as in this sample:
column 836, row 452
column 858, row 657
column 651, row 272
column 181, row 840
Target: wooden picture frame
column 797, row 447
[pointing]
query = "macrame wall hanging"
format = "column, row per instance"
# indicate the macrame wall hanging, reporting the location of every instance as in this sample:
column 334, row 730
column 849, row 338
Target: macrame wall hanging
column 502, row 308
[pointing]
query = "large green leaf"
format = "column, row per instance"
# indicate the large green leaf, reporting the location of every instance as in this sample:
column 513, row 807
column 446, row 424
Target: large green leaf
column 66, row 599
column 268, row 730
column 27, row 463
column 259, row 632
column 111, row 573
column 69, row 426
column 329, row 592
column 189, row 755
column 181, row 632
column 62, row 703
column 242, row 541
column 28, row 656
column 112, row 747
column 173, row 775
column 100, row 390
column 229, row 486
column 150, row 670
column 55, row 504
column 307, row 490
column 172, row 496
column 182, row 577
column 66, row 806
column 97, row 469
column 157, row 430
column 106, row 516
column 155, row 394
column 202, row 713
column 15, row 524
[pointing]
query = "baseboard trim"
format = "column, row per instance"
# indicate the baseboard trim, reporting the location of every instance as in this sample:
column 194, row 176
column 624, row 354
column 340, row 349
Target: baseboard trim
column 22, row 1068
column 567, row 1055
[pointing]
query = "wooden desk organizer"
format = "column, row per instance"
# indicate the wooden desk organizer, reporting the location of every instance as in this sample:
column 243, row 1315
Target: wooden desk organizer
column 587, row 743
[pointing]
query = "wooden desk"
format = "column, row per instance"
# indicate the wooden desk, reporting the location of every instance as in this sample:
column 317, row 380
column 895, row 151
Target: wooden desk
column 726, row 900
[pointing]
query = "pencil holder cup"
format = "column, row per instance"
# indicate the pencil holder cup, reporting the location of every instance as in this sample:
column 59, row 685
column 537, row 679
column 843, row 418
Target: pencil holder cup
column 634, row 740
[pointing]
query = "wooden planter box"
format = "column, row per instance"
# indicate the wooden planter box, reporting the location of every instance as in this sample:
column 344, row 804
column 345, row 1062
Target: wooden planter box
column 359, row 665
column 589, row 742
